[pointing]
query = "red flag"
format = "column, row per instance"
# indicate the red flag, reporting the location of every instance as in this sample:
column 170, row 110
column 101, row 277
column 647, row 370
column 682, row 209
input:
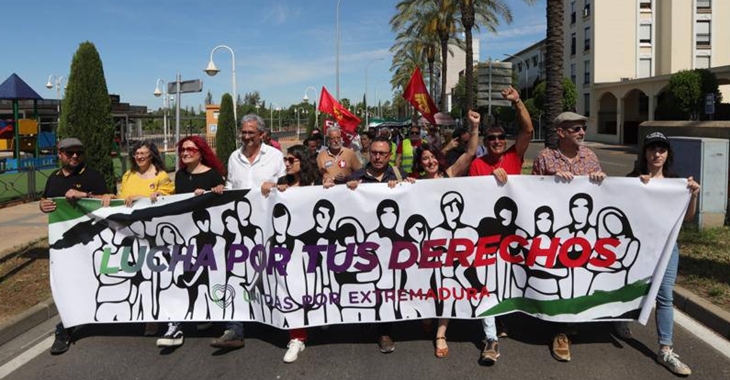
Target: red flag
column 347, row 120
column 417, row 94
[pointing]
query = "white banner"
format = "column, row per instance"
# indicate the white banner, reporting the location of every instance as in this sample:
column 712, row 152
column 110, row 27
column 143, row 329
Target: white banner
column 458, row 248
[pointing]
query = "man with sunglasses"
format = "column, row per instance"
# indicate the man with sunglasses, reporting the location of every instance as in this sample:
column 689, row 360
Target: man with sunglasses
column 570, row 159
column 74, row 180
column 500, row 161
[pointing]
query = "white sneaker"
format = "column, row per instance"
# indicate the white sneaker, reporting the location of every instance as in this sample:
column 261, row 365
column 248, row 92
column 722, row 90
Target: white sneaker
column 295, row 346
column 671, row 360
column 172, row 338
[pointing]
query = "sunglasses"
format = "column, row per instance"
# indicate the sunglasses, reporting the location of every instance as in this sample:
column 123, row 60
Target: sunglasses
column 71, row 153
column 290, row 160
column 191, row 150
column 576, row 128
column 496, row 137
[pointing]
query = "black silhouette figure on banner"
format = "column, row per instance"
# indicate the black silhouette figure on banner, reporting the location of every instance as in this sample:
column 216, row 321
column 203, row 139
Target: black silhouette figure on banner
column 244, row 277
column 416, row 231
column 292, row 285
column 579, row 279
column 197, row 279
column 544, row 276
column 613, row 223
column 166, row 237
column 351, row 234
column 510, row 279
column 385, row 236
column 454, row 276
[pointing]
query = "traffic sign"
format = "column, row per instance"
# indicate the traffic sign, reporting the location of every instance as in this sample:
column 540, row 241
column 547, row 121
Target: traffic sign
column 493, row 78
column 195, row 85
column 709, row 103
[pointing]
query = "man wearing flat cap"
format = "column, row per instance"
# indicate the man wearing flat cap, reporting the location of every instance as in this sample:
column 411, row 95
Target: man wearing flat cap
column 74, row 180
column 570, row 159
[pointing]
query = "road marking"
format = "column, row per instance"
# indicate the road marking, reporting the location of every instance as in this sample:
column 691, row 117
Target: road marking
column 26, row 356
column 706, row 335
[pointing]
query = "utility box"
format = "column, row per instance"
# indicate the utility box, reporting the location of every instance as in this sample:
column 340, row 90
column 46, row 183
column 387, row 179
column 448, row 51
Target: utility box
column 705, row 159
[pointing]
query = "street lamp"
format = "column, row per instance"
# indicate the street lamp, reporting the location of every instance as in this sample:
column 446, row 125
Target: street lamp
column 366, row 87
column 337, row 50
column 527, row 81
column 271, row 115
column 165, row 106
column 299, row 110
column 49, row 85
column 380, row 110
column 305, row 99
column 213, row 70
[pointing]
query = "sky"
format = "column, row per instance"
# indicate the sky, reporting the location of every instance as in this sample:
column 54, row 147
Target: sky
column 281, row 46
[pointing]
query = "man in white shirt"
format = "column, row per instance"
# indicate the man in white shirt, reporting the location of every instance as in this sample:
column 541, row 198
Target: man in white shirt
column 254, row 165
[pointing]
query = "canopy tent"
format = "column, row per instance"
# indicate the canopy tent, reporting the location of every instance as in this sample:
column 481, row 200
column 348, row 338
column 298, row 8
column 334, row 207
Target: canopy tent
column 442, row 118
column 16, row 89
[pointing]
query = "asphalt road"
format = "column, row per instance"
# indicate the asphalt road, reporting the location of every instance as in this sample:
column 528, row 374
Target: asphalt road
column 349, row 352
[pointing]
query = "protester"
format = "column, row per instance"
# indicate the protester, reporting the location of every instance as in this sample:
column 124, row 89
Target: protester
column 74, row 181
column 337, row 162
column 268, row 140
column 434, row 137
column 570, row 159
column 311, row 144
column 199, row 170
column 363, row 155
column 301, row 170
column 253, row 165
column 385, row 133
column 147, row 176
column 655, row 162
column 379, row 171
column 457, row 146
column 406, row 148
column 429, row 163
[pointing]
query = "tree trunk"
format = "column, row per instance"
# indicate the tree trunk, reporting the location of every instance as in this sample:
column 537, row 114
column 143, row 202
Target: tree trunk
column 554, row 69
column 444, row 53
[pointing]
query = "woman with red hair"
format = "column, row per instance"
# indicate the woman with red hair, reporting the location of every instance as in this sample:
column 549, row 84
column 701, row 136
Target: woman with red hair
column 199, row 171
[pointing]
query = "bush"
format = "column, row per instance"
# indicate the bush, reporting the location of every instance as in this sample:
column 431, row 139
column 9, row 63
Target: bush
column 225, row 135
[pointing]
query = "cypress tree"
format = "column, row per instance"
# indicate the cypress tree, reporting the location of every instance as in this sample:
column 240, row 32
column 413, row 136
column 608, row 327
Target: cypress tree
column 87, row 111
column 225, row 135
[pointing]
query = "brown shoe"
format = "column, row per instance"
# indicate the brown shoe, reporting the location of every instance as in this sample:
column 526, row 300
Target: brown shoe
column 561, row 348
column 490, row 353
column 441, row 352
column 386, row 344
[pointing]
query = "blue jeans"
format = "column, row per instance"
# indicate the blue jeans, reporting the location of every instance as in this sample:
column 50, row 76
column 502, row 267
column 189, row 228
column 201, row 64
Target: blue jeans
column 237, row 328
column 489, row 324
column 665, row 301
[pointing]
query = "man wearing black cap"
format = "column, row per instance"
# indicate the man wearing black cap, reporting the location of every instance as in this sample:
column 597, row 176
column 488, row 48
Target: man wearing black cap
column 570, row 159
column 74, row 180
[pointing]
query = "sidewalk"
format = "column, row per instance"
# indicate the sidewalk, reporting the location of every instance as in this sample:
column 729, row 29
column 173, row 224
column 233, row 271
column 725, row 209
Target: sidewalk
column 24, row 224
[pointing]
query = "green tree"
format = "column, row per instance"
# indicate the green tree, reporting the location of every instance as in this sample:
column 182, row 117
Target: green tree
column 553, row 67
column 685, row 93
column 225, row 135
column 570, row 96
column 87, row 110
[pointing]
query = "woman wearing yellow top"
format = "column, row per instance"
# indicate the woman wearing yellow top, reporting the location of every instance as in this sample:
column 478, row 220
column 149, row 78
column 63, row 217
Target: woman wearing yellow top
column 147, row 176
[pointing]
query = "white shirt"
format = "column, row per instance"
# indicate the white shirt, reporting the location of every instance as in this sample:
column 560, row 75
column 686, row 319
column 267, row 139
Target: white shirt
column 268, row 166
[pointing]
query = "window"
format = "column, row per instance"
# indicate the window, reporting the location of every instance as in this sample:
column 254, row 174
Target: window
column 534, row 61
column 702, row 62
column 587, row 105
column 527, row 64
column 519, row 67
column 572, row 12
column 572, row 44
column 572, row 72
column 644, row 67
column 645, row 33
column 645, row 4
column 587, row 9
column 702, row 30
column 704, row 5
column 587, row 72
column 587, row 39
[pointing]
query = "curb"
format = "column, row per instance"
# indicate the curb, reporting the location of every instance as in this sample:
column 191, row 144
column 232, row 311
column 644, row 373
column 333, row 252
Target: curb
column 27, row 320
column 703, row 311
column 700, row 309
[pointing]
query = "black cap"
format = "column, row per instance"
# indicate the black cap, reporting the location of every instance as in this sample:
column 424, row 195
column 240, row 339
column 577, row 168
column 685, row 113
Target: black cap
column 656, row 138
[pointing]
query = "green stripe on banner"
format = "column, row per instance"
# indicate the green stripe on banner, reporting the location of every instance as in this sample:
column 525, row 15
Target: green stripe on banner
column 576, row 305
column 66, row 210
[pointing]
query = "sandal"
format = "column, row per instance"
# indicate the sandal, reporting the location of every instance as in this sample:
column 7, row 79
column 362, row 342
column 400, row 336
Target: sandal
column 441, row 352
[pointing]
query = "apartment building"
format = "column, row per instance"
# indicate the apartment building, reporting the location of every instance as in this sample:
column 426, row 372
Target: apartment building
column 621, row 53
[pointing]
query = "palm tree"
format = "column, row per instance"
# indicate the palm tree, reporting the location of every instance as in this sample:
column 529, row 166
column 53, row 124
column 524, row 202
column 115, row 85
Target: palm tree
column 484, row 13
column 428, row 46
column 554, row 67
column 424, row 17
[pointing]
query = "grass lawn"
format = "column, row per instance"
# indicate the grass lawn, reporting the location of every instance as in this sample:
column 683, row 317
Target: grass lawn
column 704, row 263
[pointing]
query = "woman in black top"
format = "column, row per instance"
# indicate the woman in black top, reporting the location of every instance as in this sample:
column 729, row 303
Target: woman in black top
column 199, row 168
column 199, row 171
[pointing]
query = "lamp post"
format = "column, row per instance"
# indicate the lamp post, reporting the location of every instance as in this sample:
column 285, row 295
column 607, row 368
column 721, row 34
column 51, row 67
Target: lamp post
column 165, row 106
column 271, row 114
column 299, row 111
column 337, row 50
column 380, row 110
column 49, row 85
column 366, row 88
column 527, row 81
column 212, row 70
column 305, row 99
